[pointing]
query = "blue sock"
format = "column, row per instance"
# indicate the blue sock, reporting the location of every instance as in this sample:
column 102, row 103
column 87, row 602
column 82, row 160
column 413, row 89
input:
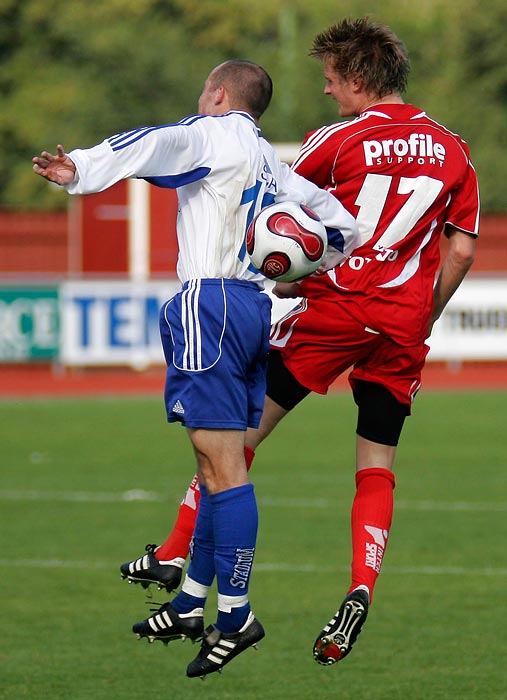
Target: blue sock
column 201, row 570
column 184, row 602
column 235, row 523
column 233, row 621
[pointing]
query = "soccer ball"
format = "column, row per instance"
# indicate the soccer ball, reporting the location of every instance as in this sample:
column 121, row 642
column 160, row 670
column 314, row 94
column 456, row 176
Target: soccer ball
column 286, row 241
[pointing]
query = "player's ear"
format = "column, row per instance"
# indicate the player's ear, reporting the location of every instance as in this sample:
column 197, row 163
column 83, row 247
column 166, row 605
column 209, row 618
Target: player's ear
column 220, row 94
column 357, row 82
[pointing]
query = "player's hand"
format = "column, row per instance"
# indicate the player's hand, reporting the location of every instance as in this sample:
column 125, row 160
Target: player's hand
column 332, row 258
column 287, row 290
column 59, row 168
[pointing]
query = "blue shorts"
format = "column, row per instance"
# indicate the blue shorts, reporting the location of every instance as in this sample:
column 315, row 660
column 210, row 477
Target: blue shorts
column 215, row 335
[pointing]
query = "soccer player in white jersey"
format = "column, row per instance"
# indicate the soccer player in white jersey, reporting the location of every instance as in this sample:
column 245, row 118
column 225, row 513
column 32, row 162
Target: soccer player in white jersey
column 408, row 180
column 215, row 332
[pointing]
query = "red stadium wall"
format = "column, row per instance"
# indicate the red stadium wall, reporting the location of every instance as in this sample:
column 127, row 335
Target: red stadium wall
column 98, row 232
column 92, row 238
column 33, row 243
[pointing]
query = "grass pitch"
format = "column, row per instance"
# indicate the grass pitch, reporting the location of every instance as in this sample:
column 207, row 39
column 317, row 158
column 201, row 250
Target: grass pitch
column 86, row 484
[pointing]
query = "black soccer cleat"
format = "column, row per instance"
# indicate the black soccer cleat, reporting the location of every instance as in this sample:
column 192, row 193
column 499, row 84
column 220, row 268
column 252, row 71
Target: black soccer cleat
column 338, row 636
column 218, row 648
column 166, row 624
column 148, row 569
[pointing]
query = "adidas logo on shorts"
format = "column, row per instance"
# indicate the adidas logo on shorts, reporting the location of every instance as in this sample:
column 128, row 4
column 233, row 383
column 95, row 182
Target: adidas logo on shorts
column 178, row 408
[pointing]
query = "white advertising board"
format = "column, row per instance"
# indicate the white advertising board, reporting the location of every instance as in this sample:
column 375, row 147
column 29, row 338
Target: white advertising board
column 474, row 323
column 113, row 323
column 116, row 323
column 472, row 327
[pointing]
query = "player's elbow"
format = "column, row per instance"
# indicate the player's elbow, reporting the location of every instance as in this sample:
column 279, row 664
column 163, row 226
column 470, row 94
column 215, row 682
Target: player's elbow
column 464, row 257
column 462, row 250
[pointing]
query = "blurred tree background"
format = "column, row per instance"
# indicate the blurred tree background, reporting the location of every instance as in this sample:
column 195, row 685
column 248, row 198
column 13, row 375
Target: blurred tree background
column 75, row 72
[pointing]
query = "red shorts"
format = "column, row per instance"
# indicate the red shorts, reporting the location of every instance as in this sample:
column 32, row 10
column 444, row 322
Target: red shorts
column 320, row 339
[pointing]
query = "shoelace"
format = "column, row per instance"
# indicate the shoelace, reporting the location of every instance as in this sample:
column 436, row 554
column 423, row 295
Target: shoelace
column 151, row 548
column 158, row 606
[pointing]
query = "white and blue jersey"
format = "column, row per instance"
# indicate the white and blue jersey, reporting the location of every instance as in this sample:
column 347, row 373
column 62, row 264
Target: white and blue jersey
column 224, row 173
column 215, row 332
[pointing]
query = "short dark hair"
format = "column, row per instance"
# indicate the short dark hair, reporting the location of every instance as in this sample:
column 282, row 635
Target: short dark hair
column 369, row 50
column 249, row 86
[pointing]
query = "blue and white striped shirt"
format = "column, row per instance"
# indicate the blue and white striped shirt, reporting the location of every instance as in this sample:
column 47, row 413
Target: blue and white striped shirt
column 224, row 173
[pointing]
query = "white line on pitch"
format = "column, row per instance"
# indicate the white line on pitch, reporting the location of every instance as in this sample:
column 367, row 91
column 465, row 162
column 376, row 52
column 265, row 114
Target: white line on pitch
column 266, row 501
column 278, row 567
column 85, row 496
column 401, row 505
column 429, row 570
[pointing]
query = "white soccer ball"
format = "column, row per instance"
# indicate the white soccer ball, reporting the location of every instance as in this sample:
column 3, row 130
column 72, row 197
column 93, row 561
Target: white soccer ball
column 286, row 241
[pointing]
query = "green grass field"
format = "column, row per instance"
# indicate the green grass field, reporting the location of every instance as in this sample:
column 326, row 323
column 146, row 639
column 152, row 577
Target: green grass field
column 86, row 484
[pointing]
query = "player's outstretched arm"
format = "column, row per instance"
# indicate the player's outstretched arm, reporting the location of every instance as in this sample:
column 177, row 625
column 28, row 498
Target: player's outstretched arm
column 59, row 168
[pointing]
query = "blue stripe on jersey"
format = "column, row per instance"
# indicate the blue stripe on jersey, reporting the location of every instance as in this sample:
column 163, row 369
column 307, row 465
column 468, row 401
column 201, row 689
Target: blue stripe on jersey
column 116, row 141
column 191, row 119
column 173, row 181
column 128, row 138
column 251, row 195
column 335, row 238
column 187, row 121
column 118, row 138
column 267, row 200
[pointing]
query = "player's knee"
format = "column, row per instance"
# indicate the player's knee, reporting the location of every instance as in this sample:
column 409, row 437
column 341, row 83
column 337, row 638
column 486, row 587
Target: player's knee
column 282, row 387
column 380, row 416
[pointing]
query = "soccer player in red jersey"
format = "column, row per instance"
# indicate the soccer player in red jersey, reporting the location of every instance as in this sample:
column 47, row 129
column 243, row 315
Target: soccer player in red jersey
column 407, row 179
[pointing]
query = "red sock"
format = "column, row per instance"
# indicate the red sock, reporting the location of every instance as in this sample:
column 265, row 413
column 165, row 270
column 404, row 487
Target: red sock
column 178, row 542
column 372, row 512
column 249, row 455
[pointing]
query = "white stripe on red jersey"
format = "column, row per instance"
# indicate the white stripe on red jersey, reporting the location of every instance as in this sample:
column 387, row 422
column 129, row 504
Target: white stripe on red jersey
column 403, row 176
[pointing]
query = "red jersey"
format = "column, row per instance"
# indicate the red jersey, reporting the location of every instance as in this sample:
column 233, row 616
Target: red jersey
column 403, row 177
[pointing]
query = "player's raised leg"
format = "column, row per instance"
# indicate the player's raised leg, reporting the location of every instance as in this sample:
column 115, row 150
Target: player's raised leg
column 163, row 565
column 380, row 417
column 184, row 616
column 372, row 510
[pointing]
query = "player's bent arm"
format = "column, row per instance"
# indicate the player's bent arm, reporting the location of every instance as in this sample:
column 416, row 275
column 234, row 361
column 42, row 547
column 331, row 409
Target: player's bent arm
column 342, row 230
column 287, row 290
column 457, row 262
